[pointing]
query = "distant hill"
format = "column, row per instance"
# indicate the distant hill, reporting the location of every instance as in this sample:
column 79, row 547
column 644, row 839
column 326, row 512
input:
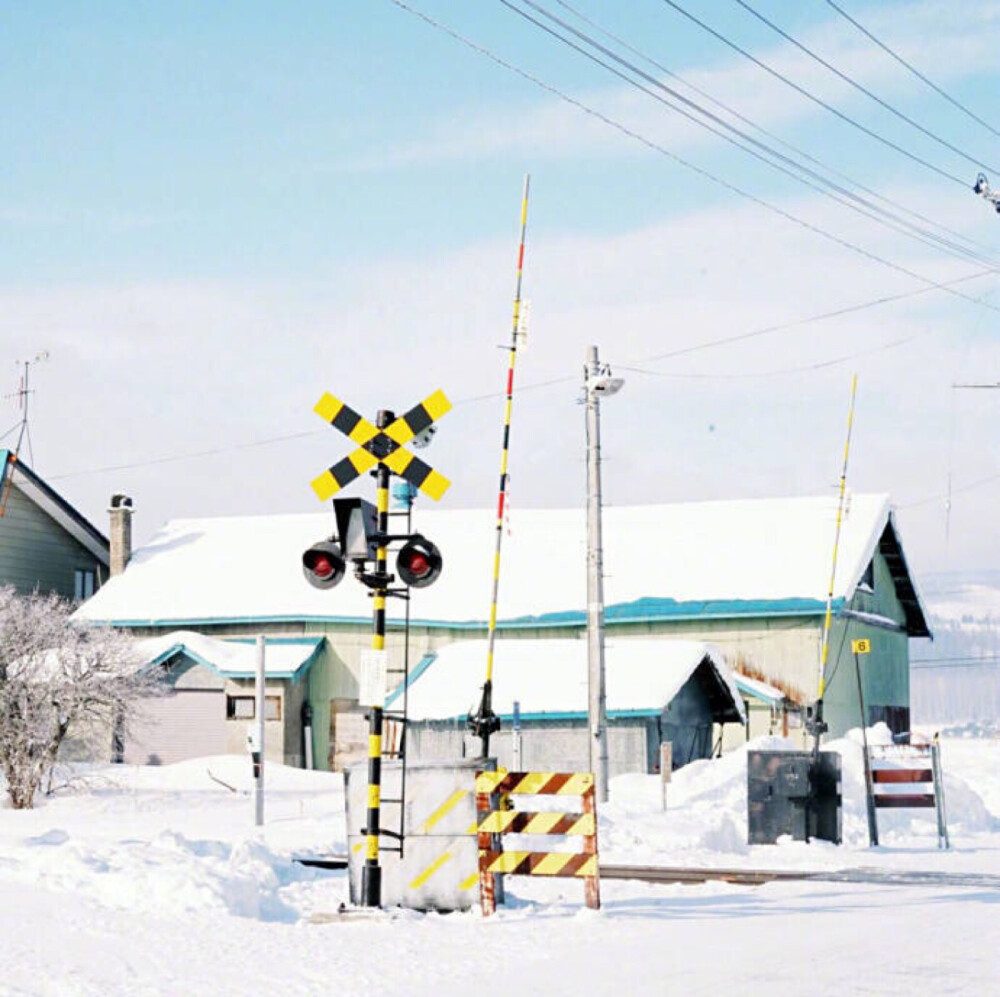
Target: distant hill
column 956, row 679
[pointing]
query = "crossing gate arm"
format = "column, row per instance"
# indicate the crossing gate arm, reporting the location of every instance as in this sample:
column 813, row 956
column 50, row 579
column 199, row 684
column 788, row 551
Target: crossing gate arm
column 493, row 822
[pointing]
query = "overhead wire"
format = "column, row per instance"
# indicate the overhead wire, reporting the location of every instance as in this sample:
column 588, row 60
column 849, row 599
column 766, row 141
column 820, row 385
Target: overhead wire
column 930, row 285
column 800, row 368
column 861, row 88
column 662, row 150
column 764, row 131
column 913, row 69
column 550, row 382
column 966, row 661
column 970, row 486
column 761, row 151
column 795, row 323
column 846, row 118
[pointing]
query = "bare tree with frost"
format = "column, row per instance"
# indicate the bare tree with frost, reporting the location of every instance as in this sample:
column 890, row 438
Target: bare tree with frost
column 58, row 680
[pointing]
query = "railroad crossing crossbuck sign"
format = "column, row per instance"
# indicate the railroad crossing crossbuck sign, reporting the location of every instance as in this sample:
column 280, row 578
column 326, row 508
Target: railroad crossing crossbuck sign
column 384, row 446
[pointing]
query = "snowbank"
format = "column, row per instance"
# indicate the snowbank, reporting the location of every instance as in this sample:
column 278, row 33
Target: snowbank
column 180, row 838
column 155, row 880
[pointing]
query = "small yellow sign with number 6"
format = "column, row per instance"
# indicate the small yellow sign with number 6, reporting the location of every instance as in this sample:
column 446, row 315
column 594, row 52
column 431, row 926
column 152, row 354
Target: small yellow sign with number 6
column 861, row 646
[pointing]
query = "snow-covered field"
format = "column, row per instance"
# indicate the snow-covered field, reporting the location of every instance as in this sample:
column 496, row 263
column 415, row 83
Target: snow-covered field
column 144, row 881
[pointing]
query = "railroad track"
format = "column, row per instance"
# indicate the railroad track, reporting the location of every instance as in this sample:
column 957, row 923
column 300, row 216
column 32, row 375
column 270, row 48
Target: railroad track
column 676, row 874
column 757, row 877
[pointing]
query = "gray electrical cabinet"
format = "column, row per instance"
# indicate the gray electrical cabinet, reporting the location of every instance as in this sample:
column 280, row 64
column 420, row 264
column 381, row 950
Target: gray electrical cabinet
column 791, row 793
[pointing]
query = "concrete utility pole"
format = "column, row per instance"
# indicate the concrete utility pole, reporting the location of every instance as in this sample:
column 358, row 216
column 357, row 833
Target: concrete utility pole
column 597, row 383
column 260, row 719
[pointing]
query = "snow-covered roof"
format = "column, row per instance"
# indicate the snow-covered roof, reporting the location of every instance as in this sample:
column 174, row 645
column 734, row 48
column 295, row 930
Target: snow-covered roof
column 284, row 657
column 697, row 559
column 548, row 678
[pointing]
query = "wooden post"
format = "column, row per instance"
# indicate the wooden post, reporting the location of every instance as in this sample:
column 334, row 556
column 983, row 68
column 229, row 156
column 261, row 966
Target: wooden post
column 666, row 768
column 484, row 841
column 591, row 884
column 942, row 820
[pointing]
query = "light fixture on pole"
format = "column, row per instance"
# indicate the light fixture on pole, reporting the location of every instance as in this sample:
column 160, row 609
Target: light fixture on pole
column 597, row 384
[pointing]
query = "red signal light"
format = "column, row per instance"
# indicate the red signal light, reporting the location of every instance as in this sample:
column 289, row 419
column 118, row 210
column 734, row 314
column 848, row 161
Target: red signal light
column 419, row 563
column 323, row 565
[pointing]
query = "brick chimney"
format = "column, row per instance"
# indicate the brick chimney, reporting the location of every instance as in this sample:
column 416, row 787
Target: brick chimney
column 121, row 532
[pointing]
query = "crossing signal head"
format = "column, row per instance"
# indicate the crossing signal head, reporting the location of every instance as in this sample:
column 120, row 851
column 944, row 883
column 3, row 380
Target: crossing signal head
column 323, row 564
column 418, row 563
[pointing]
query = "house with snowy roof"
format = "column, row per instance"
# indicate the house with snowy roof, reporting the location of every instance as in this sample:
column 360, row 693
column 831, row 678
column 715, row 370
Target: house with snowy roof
column 659, row 691
column 45, row 543
column 750, row 577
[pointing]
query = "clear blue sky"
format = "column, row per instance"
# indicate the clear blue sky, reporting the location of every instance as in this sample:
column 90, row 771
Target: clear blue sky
column 213, row 212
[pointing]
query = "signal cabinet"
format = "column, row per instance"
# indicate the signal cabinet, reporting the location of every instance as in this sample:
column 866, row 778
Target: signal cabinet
column 790, row 795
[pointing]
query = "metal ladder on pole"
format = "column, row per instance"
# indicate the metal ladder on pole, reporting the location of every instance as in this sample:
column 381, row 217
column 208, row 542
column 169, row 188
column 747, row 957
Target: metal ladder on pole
column 396, row 726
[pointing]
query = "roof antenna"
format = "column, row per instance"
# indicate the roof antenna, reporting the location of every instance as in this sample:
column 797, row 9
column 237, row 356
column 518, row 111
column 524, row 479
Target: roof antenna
column 7, row 480
column 22, row 393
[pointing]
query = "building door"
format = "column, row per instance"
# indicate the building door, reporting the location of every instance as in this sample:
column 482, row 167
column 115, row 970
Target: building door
column 348, row 734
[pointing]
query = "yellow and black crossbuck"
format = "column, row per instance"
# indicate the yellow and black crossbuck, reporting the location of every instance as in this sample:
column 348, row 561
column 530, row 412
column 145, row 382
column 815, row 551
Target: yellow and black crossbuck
column 381, row 446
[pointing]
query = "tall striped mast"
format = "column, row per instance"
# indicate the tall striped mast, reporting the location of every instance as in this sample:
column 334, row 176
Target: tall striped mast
column 825, row 647
column 485, row 721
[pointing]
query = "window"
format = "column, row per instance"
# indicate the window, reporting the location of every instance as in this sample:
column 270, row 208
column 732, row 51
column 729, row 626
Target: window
column 867, row 580
column 83, row 583
column 245, row 707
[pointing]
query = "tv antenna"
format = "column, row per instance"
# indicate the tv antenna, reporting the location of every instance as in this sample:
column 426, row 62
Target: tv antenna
column 22, row 394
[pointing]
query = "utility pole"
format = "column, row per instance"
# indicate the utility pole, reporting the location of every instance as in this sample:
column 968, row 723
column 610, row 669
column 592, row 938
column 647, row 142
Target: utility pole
column 597, row 382
column 260, row 704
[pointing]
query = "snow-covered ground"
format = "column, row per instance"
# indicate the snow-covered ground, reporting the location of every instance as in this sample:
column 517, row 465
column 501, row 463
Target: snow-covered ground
column 145, row 881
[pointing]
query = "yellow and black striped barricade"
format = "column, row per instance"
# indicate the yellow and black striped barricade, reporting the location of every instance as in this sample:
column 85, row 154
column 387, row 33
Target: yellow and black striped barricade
column 494, row 822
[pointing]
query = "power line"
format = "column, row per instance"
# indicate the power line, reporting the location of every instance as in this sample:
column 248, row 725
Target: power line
column 761, row 151
column 531, row 386
column 801, row 368
column 971, row 486
column 764, row 131
column 782, row 326
column 930, row 284
column 191, row 455
column 267, row 441
column 970, row 661
column 916, row 72
column 860, row 87
column 662, row 150
column 812, row 97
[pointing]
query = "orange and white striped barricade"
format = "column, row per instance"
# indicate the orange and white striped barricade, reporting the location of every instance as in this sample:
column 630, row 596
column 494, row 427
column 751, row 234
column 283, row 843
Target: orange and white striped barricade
column 495, row 821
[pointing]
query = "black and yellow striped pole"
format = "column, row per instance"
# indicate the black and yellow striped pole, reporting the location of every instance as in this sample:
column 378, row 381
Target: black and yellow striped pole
column 818, row 724
column 371, row 872
column 485, row 722
column 380, row 447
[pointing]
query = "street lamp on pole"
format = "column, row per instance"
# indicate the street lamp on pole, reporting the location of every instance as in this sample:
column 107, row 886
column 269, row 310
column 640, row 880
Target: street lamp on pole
column 597, row 383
